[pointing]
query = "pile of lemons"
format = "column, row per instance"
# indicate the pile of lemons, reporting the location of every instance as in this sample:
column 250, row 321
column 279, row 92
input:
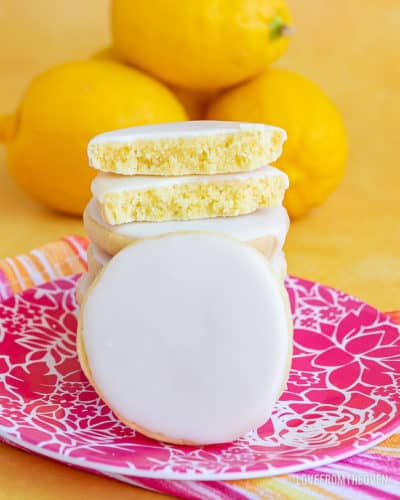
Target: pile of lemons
column 170, row 61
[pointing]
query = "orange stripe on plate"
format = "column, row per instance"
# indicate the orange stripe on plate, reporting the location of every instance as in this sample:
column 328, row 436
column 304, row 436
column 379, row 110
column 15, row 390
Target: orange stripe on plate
column 10, row 275
column 19, row 276
column 79, row 247
column 62, row 259
column 40, row 267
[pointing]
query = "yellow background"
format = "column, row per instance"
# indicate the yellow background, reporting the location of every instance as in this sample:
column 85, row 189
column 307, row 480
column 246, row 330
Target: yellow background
column 351, row 48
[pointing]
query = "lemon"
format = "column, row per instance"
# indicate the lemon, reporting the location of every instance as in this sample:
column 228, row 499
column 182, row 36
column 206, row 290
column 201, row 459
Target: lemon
column 65, row 107
column 106, row 53
column 202, row 44
column 194, row 101
column 315, row 153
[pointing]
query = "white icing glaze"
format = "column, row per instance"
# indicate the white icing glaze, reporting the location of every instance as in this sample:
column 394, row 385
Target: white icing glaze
column 264, row 222
column 105, row 183
column 178, row 129
column 187, row 335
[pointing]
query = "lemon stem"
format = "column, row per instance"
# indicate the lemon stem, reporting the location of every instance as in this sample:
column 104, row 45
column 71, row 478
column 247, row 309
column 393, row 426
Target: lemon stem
column 278, row 28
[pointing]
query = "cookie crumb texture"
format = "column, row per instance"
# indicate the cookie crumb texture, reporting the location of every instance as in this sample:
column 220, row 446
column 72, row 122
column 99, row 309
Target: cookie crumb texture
column 193, row 201
column 220, row 153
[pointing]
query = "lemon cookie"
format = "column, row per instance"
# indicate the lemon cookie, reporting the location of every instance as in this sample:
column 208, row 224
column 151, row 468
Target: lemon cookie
column 191, row 147
column 187, row 337
column 264, row 229
column 152, row 198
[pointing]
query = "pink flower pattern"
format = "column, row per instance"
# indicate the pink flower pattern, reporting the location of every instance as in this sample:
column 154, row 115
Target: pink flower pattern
column 343, row 391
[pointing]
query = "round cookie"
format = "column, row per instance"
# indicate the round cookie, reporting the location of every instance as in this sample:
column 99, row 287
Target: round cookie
column 187, row 337
column 186, row 148
column 264, row 229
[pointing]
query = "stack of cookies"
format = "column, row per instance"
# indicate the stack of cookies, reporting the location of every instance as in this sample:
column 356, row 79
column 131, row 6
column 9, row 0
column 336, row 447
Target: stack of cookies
column 205, row 176
column 186, row 334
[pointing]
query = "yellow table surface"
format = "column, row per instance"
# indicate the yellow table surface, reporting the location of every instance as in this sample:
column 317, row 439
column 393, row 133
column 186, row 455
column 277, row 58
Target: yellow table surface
column 349, row 47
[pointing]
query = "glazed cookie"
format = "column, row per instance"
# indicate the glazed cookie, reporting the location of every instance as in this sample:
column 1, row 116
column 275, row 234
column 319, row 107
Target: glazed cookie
column 196, row 348
column 191, row 147
column 264, row 229
column 150, row 198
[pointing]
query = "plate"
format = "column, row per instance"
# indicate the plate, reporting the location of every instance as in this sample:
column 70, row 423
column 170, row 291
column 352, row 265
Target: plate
column 342, row 397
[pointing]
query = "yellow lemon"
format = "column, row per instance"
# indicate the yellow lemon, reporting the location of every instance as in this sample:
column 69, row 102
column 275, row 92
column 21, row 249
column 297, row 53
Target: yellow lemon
column 106, row 53
column 316, row 150
column 202, row 44
column 194, row 101
column 62, row 109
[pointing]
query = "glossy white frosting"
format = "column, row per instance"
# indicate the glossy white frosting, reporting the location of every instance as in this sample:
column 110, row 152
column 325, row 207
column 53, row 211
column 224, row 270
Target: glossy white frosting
column 178, row 129
column 187, row 335
column 266, row 221
column 105, row 183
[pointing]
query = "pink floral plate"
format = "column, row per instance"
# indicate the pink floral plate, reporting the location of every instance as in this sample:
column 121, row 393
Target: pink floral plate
column 342, row 397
